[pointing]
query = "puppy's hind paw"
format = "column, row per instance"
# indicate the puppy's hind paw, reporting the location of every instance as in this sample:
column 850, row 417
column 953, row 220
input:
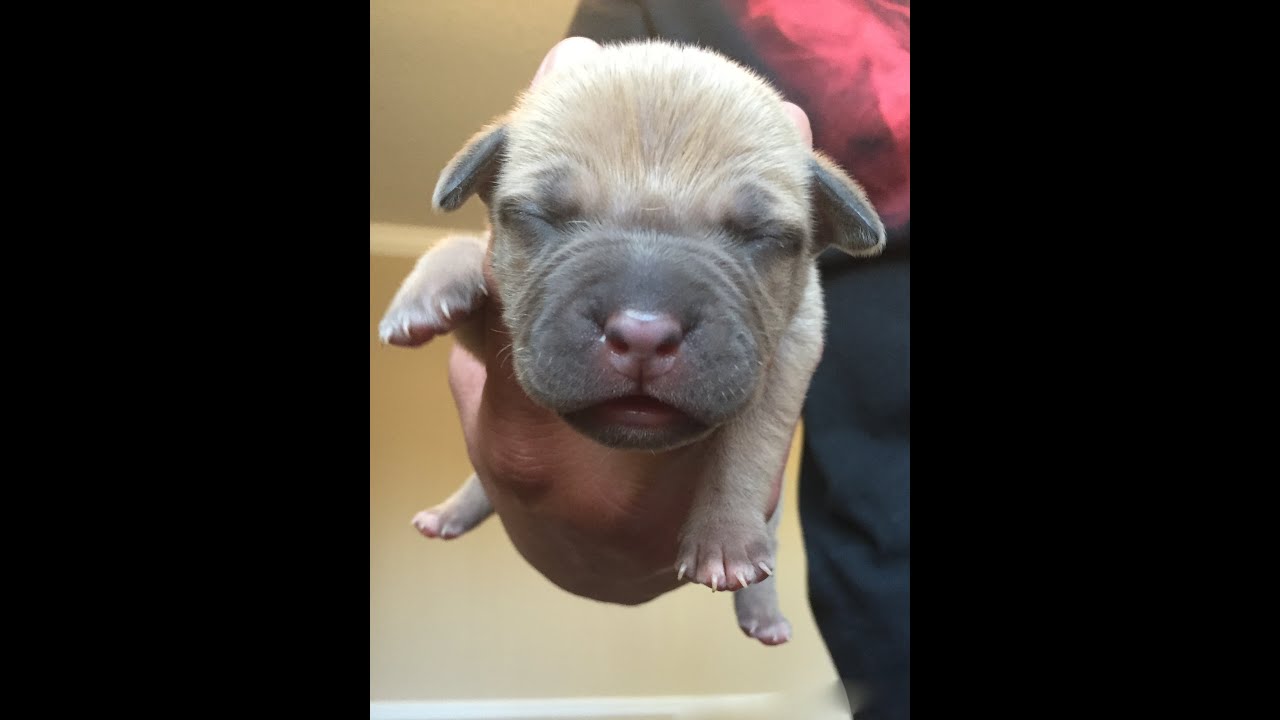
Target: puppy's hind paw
column 440, row 522
column 465, row 509
column 770, row 631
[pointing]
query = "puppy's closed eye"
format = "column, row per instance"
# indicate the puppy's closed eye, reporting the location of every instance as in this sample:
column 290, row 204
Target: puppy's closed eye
column 520, row 212
column 536, row 224
column 516, row 211
column 756, row 227
column 751, row 222
column 766, row 234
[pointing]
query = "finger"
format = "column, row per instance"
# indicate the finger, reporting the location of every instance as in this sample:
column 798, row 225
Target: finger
column 569, row 51
column 801, row 121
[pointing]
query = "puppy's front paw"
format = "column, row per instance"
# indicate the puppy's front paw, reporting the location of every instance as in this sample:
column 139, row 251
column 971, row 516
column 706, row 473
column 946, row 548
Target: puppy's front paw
column 410, row 324
column 726, row 555
column 446, row 286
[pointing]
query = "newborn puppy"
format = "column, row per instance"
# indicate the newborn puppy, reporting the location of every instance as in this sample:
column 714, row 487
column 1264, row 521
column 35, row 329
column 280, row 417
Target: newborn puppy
column 655, row 219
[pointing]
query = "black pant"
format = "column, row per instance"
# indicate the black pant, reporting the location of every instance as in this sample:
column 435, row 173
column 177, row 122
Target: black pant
column 855, row 484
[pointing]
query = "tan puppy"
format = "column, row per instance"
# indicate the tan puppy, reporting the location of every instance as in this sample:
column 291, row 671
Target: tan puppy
column 655, row 221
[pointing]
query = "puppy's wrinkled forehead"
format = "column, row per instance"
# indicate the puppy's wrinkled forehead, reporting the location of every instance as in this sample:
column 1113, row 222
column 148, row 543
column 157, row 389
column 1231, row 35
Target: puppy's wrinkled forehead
column 663, row 135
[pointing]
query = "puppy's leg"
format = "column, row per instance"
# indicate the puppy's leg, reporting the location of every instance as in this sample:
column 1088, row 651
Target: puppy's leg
column 465, row 509
column 757, row 605
column 444, row 293
column 726, row 544
column 445, row 289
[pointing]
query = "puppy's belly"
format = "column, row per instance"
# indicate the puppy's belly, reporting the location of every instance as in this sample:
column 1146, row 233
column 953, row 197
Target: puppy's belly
column 614, row 538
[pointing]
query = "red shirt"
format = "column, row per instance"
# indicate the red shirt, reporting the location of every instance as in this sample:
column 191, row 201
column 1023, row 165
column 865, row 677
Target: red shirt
column 848, row 64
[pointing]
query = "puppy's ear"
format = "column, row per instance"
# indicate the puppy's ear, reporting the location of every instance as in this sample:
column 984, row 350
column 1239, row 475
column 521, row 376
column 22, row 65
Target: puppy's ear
column 844, row 215
column 472, row 170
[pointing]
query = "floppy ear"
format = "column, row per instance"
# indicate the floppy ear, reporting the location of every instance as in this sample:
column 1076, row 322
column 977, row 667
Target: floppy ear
column 845, row 217
column 472, row 170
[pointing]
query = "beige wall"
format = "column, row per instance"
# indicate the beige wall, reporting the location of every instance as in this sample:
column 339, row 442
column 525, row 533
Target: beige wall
column 469, row 619
column 438, row 71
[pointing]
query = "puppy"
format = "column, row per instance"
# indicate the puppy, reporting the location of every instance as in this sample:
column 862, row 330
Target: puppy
column 655, row 219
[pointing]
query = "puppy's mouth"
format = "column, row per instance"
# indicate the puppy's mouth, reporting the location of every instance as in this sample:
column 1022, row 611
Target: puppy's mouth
column 641, row 411
column 636, row 421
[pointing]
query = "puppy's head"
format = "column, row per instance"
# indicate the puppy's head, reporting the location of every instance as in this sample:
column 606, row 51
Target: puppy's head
column 655, row 218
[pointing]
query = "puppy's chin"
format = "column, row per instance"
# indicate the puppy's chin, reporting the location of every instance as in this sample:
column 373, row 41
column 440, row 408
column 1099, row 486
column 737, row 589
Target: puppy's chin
column 637, row 423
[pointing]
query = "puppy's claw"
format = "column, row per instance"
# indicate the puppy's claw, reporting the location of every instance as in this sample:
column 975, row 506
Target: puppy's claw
column 765, row 568
column 444, row 308
column 680, row 572
column 742, row 581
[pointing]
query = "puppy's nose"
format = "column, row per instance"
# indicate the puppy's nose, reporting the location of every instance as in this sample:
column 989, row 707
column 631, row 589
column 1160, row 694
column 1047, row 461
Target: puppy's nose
column 642, row 345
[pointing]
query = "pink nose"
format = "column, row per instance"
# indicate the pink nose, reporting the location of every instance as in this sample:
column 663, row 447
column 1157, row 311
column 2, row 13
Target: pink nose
column 642, row 345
